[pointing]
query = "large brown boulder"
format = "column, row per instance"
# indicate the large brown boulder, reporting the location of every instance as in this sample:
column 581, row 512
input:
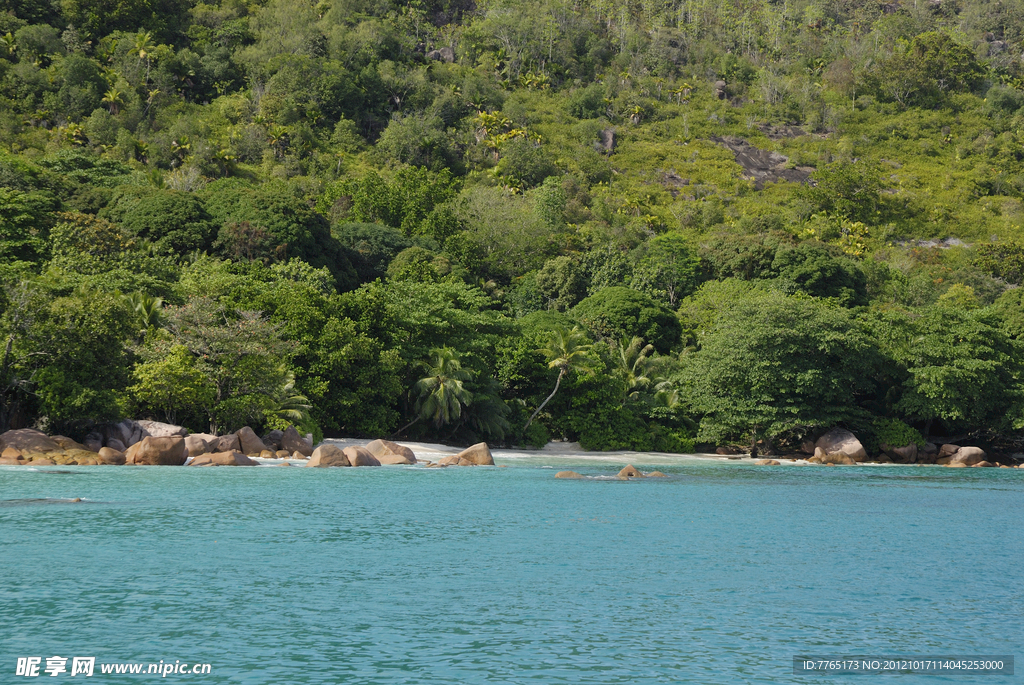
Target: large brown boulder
column 226, row 443
column 111, row 456
column 328, row 455
column 223, row 459
column 67, row 443
column 28, row 440
column 358, row 456
column 968, row 456
column 630, row 471
column 453, row 460
column 249, row 441
column 478, row 455
column 169, row 451
column 293, row 442
column 10, row 453
column 200, row 443
column 842, row 440
column 388, row 452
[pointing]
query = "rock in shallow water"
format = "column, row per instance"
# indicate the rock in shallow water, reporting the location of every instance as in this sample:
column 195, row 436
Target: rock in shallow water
column 328, row 455
column 630, row 471
column 572, row 475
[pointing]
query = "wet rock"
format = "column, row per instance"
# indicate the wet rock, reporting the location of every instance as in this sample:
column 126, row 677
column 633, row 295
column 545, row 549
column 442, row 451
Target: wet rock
column 267, row 454
column 358, row 456
column 656, row 474
column 283, row 454
column 168, row 451
column 479, row 454
column 328, row 455
column 388, row 452
column 984, row 464
column 630, row 471
column 572, row 475
column 768, row 462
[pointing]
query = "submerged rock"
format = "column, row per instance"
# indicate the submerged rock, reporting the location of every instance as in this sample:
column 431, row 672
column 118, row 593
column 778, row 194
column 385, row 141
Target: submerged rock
column 768, row 462
column 572, row 475
column 656, row 474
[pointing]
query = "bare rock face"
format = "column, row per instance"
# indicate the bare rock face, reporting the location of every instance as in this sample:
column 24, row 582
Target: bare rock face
column 388, row 452
column 293, row 442
column 763, row 166
column 169, row 451
column 28, row 440
column 200, row 443
column 108, row 455
column 273, row 438
column 226, row 443
column 479, row 455
column 223, row 459
column 249, row 441
column 968, row 456
column 630, row 472
column 156, row 429
column 67, row 443
column 842, row 440
column 328, row 455
column 359, row 456
column 445, row 54
column 906, row 454
column 571, row 475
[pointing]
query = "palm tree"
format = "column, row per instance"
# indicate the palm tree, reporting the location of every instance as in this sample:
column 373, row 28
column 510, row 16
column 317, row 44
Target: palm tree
column 114, row 99
column 631, row 366
column 289, row 404
column 441, row 394
column 567, row 351
column 144, row 47
column 147, row 308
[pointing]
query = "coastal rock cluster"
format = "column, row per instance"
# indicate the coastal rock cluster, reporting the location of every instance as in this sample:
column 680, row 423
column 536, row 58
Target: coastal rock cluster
column 840, row 447
column 159, row 444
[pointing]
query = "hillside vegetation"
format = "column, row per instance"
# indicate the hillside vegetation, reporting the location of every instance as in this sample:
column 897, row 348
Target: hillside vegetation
column 643, row 225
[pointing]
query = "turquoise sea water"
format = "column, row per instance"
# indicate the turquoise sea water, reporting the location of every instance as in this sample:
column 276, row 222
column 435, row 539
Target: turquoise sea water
column 720, row 574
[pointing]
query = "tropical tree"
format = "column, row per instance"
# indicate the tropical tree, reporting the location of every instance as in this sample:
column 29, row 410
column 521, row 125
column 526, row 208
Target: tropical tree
column 567, row 351
column 441, row 394
column 631, row 366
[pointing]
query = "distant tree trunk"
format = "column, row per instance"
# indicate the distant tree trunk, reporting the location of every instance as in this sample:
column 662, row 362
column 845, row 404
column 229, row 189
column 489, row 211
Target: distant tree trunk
column 402, row 429
column 558, row 382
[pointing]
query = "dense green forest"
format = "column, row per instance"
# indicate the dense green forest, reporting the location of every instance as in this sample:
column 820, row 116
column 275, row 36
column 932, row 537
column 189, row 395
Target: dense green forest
column 650, row 224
